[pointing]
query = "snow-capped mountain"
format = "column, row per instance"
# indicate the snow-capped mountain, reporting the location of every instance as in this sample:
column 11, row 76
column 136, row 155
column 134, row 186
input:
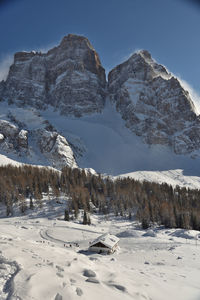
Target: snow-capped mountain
column 57, row 109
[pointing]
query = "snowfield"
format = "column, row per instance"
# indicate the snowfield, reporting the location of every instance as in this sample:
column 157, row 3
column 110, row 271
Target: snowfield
column 44, row 257
column 171, row 177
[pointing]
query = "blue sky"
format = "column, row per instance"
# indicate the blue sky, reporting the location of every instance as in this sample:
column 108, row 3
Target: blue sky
column 170, row 29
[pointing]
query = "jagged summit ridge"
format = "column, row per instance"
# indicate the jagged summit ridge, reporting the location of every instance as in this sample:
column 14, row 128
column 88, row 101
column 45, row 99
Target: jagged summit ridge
column 69, row 77
column 140, row 66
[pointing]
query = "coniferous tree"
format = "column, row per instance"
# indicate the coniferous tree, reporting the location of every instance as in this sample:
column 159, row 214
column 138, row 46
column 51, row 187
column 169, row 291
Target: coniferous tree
column 31, row 206
column 66, row 215
column 85, row 220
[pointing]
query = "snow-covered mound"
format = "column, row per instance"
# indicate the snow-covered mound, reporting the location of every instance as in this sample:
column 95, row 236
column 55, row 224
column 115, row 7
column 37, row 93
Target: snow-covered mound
column 185, row 234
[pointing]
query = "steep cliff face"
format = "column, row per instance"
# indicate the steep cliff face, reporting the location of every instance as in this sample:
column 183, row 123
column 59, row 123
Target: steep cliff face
column 69, row 77
column 153, row 104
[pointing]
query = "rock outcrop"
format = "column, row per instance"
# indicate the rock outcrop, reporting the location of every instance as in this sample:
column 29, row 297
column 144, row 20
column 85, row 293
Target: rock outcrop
column 69, row 77
column 153, row 104
column 55, row 148
column 38, row 146
column 12, row 139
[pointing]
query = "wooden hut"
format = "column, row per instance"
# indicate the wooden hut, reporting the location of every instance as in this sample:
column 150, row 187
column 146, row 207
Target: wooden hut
column 105, row 243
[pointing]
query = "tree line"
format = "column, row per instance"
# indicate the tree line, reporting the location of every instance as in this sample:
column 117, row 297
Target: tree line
column 148, row 202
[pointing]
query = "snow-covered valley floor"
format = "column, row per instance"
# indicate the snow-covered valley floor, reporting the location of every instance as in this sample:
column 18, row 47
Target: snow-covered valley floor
column 37, row 262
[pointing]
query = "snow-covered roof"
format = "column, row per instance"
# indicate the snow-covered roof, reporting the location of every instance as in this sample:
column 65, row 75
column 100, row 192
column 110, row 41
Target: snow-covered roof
column 107, row 239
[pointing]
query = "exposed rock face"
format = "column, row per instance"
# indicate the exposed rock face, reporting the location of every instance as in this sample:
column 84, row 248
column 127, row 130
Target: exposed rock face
column 153, row 104
column 2, row 86
column 36, row 146
column 55, row 148
column 69, row 77
column 12, row 139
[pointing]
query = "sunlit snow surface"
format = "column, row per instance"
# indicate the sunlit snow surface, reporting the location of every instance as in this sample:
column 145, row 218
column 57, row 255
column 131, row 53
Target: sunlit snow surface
column 37, row 262
column 171, row 177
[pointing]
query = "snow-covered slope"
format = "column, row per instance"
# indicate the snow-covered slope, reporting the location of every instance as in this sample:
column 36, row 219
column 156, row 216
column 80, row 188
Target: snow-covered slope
column 4, row 160
column 171, row 177
column 37, row 262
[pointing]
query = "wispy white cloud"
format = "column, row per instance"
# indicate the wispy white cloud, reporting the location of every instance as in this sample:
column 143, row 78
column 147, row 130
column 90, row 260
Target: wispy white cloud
column 45, row 49
column 7, row 60
column 127, row 56
column 194, row 95
column 5, row 64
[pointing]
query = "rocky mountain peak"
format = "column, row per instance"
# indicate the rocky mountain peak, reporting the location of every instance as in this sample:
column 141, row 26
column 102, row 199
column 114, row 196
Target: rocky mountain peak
column 153, row 103
column 146, row 54
column 80, row 49
column 69, row 77
column 140, row 66
column 23, row 56
column 76, row 39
